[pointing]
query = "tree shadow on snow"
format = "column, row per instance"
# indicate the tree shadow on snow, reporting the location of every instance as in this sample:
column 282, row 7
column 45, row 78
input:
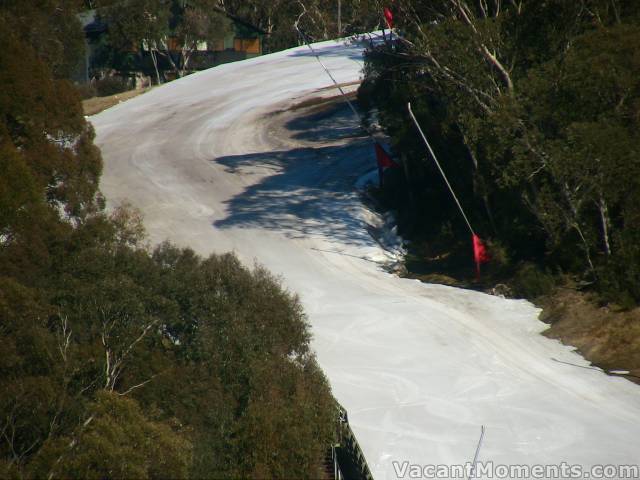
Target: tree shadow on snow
column 326, row 123
column 337, row 50
column 311, row 193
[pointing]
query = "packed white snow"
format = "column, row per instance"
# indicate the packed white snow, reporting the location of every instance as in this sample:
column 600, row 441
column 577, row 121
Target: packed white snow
column 418, row 367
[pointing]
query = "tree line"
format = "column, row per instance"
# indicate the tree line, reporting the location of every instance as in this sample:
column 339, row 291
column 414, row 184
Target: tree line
column 534, row 109
column 191, row 21
column 119, row 360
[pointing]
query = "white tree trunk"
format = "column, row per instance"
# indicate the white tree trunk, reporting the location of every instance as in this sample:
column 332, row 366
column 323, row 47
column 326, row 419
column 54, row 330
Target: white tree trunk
column 605, row 223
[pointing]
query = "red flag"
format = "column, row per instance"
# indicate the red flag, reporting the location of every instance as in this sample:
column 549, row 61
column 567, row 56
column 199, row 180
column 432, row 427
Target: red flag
column 384, row 161
column 388, row 16
column 383, row 158
column 480, row 253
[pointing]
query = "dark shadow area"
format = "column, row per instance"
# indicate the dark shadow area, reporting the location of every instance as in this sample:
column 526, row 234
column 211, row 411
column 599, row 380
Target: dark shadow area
column 311, row 194
column 337, row 252
column 330, row 122
column 338, row 50
column 311, row 191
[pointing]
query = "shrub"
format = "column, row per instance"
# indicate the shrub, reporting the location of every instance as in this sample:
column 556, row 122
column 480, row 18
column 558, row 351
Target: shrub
column 531, row 282
column 110, row 86
column 86, row 90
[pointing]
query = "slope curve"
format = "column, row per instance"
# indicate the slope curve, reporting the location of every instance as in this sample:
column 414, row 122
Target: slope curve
column 226, row 159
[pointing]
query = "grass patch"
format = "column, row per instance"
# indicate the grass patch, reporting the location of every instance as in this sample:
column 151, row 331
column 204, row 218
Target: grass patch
column 92, row 106
column 605, row 335
column 451, row 262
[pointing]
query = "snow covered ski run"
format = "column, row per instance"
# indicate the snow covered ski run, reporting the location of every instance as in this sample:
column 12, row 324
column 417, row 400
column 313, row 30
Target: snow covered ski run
column 242, row 158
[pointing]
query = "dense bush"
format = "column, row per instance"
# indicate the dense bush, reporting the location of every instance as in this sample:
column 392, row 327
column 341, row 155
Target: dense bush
column 118, row 362
column 113, row 347
column 110, row 86
column 86, row 90
column 530, row 281
column 533, row 110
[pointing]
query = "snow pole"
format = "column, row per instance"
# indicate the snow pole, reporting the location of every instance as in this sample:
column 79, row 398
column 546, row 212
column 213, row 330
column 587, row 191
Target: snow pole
column 382, row 157
column 479, row 250
column 444, row 176
column 388, row 17
column 335, row 82
column 472, row 473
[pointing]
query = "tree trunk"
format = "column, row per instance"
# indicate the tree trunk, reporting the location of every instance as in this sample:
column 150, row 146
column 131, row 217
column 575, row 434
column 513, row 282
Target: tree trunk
column 585, row 245
column 574, row 222
column 154, row 58
column 466, row 16
column 172, row 62
column 605, row 223
column 185, row 57
column 478, row 183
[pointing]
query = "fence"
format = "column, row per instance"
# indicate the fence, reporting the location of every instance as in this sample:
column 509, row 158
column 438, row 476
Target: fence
column 347, row 459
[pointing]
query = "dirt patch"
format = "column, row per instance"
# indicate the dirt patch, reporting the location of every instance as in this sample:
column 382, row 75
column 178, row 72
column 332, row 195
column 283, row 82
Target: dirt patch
column 608, row 338
column 314, row 103
column 321, row 101
column 94, row 105
column 342, row 85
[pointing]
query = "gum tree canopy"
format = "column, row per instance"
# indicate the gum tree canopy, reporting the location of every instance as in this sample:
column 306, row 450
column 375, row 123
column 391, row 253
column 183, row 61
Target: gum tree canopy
column 166, row 26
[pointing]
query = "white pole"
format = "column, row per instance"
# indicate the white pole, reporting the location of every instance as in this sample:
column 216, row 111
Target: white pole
column 472, row 473
column 344, row 95
column 435, row 159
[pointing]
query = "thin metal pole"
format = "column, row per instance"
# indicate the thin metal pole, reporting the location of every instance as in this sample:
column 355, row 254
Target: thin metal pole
column 472, row 473
column 339, row 18
column 335, row 82
column 435, row 159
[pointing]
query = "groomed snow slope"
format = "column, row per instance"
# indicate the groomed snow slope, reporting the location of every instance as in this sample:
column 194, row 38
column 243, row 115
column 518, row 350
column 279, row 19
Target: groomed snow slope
column 419, row 368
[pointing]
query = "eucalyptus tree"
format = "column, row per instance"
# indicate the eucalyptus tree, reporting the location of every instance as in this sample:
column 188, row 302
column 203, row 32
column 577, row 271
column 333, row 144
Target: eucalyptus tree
column 543, row 103
column 164, row 27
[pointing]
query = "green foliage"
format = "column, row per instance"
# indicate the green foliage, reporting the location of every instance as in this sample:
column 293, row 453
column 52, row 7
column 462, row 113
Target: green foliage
column 155, row 24
column 317, row 18
column 110, row 86
column 122, row 363
column 533, row 110
column 118, row 362
column 116, row 441
column 134, row 21
column 41, row 119
column 531, row 282
column 50, row 28
column 18, row 192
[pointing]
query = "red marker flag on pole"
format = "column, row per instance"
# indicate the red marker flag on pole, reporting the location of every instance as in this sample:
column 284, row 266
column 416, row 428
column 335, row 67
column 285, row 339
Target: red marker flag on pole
column 480, row 253
column 388, row 16
column 384, row 160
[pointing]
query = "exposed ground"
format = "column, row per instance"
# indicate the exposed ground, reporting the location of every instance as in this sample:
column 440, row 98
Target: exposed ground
column 607, row 337
column 92, row 106
column 418, row 367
